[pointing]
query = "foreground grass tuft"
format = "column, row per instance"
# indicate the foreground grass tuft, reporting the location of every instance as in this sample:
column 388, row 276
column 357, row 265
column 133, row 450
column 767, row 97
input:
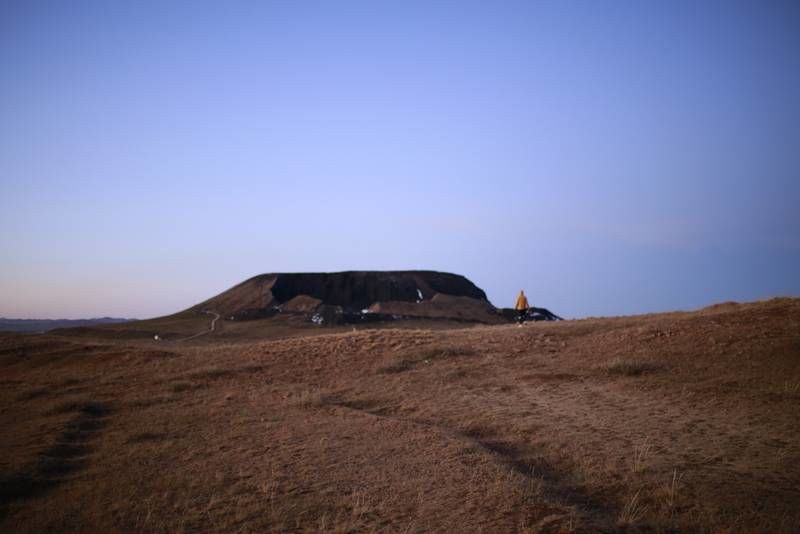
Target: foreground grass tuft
column 628, row 367
column 791, row 388
column 425, row 356
column 437, row 353
column 312, row 398
column 632, row 512
column 397, row 367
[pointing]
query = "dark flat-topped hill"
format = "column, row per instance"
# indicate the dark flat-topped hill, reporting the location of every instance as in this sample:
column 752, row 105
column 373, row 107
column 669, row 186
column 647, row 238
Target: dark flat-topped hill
column 359, row 289
column 407, row 293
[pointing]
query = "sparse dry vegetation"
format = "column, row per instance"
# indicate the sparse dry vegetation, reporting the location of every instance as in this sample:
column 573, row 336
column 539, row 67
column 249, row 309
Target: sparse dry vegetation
column 397, row 366
column 791, row 388
column 628, row 367
column 632, row 512
column 641, row 453
column 670, row 492
column 312, row 398
column 496, row 429
column 424, row 357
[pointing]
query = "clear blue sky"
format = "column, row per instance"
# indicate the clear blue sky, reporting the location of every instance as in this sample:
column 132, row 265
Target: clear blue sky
column 608, row 157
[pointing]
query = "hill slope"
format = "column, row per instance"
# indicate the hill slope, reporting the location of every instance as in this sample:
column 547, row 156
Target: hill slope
column 678, row 422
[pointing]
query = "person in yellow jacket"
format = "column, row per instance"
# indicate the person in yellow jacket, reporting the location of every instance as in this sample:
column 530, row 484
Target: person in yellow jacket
column 521, row 306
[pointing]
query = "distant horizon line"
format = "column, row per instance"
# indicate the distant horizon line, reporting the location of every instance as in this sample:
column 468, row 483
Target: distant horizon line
column 718, row 303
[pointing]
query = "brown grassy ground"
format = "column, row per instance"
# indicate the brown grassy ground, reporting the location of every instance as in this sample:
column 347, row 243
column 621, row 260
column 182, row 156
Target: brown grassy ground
column 672, row 422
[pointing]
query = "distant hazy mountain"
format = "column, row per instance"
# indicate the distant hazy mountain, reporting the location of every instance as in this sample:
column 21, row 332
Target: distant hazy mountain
column 43, row 325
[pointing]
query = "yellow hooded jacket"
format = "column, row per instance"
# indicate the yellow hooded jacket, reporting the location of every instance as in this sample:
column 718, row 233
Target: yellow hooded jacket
column 522, row 302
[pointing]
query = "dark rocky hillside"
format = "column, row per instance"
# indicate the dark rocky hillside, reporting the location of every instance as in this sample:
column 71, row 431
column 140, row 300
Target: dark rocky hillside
column 430, row 293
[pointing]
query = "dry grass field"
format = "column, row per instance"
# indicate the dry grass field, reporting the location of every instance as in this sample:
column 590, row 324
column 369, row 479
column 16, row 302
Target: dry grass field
column 679, row 422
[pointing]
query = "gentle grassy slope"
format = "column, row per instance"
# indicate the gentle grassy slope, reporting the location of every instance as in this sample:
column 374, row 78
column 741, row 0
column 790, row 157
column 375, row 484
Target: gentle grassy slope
column 682, row 421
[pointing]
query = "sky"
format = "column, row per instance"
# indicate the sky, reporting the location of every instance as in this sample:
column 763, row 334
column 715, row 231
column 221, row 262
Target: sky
column 610, row 158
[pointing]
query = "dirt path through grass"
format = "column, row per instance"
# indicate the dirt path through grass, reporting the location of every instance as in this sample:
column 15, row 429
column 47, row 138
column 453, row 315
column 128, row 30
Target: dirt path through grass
column 212, row 327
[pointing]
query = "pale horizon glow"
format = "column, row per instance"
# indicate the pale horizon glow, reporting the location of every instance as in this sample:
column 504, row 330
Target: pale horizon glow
column 609, row 159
